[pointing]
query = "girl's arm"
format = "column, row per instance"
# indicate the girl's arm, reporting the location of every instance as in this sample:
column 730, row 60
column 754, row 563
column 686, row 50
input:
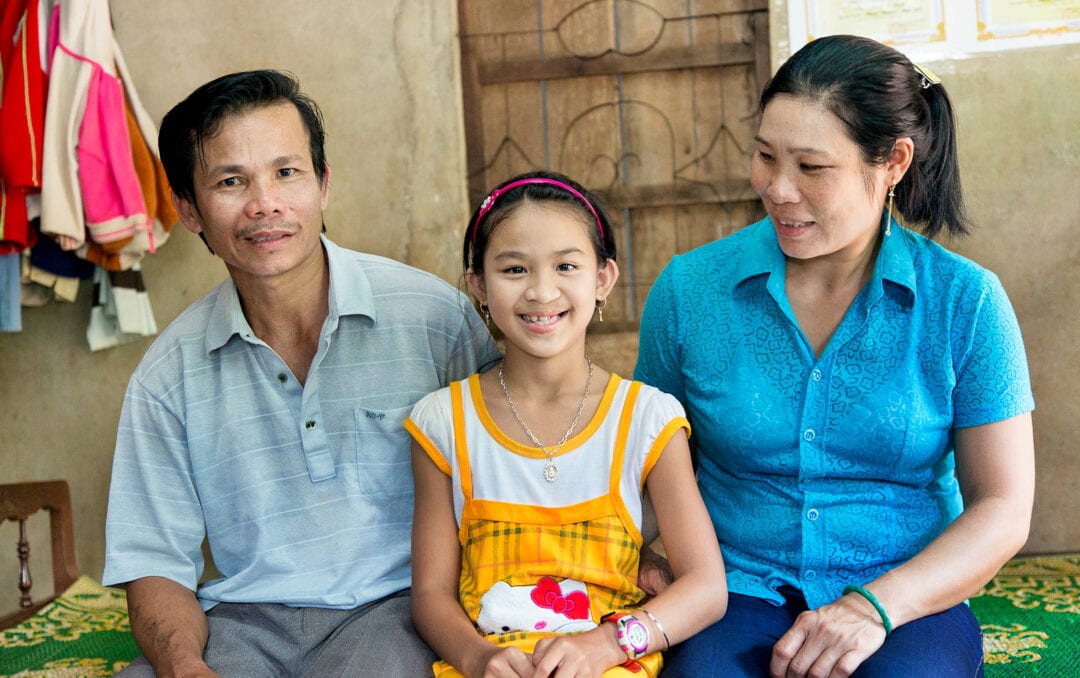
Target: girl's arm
column 995, row 464
column 697, row 597
column 436, row 568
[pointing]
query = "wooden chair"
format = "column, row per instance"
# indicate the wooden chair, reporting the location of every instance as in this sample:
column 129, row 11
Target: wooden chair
column 19, row 501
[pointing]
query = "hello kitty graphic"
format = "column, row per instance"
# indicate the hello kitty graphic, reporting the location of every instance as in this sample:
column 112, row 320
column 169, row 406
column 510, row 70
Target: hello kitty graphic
column 549, row 605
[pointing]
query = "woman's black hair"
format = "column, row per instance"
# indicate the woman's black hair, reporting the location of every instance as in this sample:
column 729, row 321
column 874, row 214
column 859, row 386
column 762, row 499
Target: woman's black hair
column 880, row 96
column 490, row 215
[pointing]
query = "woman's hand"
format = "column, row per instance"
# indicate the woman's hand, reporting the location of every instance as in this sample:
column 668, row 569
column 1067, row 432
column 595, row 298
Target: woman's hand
column 579, row 655
column 829, row 642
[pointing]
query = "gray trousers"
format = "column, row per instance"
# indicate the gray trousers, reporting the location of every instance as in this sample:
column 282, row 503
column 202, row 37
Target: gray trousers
column 257, row 640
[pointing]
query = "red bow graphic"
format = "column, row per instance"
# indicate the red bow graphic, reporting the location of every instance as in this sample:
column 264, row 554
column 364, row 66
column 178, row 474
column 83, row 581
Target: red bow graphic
column 547, row 594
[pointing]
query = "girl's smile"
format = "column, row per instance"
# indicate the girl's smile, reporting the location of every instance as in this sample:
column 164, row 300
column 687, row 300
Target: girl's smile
column 541, row 278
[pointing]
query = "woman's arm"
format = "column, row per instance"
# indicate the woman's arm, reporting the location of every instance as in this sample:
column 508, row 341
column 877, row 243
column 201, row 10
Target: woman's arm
column 995, row 465
column 697, row 597
column 436, row 570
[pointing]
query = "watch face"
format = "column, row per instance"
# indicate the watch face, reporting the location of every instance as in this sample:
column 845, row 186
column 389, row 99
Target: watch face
column 633, row 636
column 637, row 636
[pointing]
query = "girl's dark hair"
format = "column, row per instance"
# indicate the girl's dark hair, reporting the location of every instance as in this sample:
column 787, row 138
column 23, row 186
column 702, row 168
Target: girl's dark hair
column 491, row 215
column 880, row 96
column 199, row 117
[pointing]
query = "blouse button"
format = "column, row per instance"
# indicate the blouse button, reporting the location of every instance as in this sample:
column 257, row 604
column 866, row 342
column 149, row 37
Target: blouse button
column 808, row 434
column 309, row 424
column 816, row 375
column 812, row 514
column 282, row 378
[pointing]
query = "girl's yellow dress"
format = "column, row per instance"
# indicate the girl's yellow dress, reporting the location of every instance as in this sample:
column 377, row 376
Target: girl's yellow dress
column 541, row 558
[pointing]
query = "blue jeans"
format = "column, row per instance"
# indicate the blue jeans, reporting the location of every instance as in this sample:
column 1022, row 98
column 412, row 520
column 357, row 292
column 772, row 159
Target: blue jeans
column 947, row 644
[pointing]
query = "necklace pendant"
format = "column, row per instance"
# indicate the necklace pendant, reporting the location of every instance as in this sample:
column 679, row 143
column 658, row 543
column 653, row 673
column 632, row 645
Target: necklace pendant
column 551, row 471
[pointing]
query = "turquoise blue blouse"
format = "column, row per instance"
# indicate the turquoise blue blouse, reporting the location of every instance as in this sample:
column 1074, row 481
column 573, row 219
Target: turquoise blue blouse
column 824, row 472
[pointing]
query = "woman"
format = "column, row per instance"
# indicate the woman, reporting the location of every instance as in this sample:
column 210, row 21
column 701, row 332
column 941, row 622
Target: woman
column 834, row 364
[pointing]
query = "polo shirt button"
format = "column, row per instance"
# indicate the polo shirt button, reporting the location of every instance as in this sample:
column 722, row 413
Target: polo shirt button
column 812, row 514
column 816, row 375
column 810, row 575
column 309, row 424
column 808, row 434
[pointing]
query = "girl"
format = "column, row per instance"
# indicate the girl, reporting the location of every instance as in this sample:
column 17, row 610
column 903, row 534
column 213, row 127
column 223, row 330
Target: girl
column 529, row 478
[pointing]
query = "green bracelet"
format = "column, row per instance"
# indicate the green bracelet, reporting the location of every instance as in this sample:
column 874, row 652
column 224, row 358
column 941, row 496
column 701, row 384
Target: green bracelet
column 873, row 601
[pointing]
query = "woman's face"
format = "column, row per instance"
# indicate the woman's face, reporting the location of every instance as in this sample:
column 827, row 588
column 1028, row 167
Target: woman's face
column 822, row 198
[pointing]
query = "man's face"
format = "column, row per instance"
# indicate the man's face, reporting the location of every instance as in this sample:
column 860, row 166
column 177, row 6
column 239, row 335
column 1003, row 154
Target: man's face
column 258, row 199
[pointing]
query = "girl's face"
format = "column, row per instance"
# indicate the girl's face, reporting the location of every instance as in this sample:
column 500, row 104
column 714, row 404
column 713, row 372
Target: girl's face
column 541, row 278
column 822, row 197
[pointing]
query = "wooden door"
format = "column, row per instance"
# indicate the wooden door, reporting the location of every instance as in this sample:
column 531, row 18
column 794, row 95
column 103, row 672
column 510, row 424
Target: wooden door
column 651, row 104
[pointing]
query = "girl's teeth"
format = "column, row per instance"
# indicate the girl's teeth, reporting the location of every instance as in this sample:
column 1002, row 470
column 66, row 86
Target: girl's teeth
column 540, row 320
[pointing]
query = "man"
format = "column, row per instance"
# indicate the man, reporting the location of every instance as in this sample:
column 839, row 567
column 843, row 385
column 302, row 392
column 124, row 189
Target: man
column 267, row 418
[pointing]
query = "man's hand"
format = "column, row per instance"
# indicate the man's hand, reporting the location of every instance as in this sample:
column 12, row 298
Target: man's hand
column 654, row 572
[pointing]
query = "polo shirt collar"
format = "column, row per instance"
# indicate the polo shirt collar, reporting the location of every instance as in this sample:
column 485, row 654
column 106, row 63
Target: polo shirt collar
column 350, row 294
column 762, row 253
column 894, row 265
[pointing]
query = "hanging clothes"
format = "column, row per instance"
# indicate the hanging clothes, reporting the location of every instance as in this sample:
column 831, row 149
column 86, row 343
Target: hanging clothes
column 104, row 195
column 123, row 254
column 89, row 186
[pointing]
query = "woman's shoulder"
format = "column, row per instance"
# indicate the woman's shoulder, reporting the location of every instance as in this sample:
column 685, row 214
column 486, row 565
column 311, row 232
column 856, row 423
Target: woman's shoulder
column 719, row 259
column 935, row 264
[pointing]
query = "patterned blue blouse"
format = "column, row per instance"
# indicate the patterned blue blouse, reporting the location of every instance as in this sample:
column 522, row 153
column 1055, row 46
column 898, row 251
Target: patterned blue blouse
column 824, row 472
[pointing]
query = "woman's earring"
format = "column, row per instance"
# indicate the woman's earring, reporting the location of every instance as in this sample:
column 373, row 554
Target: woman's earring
column 600, row 305
column 888, row 219
column 487, row 314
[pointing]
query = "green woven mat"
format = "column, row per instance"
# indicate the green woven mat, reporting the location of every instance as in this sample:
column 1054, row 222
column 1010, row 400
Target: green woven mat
column 82, row 634
column 1030, row 617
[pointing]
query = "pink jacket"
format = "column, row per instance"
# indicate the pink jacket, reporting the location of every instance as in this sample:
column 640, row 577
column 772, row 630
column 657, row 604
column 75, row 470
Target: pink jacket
column 89, row 185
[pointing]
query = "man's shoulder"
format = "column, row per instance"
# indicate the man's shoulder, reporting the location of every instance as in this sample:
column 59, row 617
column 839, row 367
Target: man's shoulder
column 186, row 332
column 386, row 273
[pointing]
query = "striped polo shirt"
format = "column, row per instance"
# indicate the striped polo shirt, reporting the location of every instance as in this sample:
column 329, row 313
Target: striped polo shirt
column 303, row 492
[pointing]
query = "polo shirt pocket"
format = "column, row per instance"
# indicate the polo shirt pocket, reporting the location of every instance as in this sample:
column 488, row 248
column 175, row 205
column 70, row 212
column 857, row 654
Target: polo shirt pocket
column 383, row 461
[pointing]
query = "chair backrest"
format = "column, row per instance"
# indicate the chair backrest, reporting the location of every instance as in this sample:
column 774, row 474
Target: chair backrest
column 19, row 501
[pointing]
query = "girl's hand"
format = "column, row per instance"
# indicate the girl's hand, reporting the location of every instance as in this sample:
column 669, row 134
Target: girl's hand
column 579, row 655
column 507, row 662
column 831, row 641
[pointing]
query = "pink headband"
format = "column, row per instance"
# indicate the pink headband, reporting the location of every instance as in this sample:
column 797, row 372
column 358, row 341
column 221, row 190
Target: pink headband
column 489, row 202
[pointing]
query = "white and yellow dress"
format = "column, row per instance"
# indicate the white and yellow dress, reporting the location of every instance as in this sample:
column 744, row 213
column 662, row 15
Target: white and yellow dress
column 540, row 558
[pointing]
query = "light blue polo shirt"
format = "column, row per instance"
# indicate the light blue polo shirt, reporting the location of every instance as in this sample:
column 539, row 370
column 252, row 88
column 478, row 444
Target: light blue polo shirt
column 824, row 472
column 304, row 492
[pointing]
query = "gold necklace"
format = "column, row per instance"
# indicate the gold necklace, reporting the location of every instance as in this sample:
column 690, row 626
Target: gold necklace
column 551, row 471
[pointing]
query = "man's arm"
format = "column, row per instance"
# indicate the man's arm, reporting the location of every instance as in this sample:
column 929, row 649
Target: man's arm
column 169, row 625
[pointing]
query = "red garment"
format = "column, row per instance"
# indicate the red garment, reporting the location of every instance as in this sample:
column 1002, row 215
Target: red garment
column 22, row 119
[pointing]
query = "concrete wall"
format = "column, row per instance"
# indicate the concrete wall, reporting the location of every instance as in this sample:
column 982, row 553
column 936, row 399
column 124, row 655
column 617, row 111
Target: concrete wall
column 386, row 77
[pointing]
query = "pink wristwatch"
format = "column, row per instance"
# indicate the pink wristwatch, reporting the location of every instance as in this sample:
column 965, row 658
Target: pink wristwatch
column 631, row 633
